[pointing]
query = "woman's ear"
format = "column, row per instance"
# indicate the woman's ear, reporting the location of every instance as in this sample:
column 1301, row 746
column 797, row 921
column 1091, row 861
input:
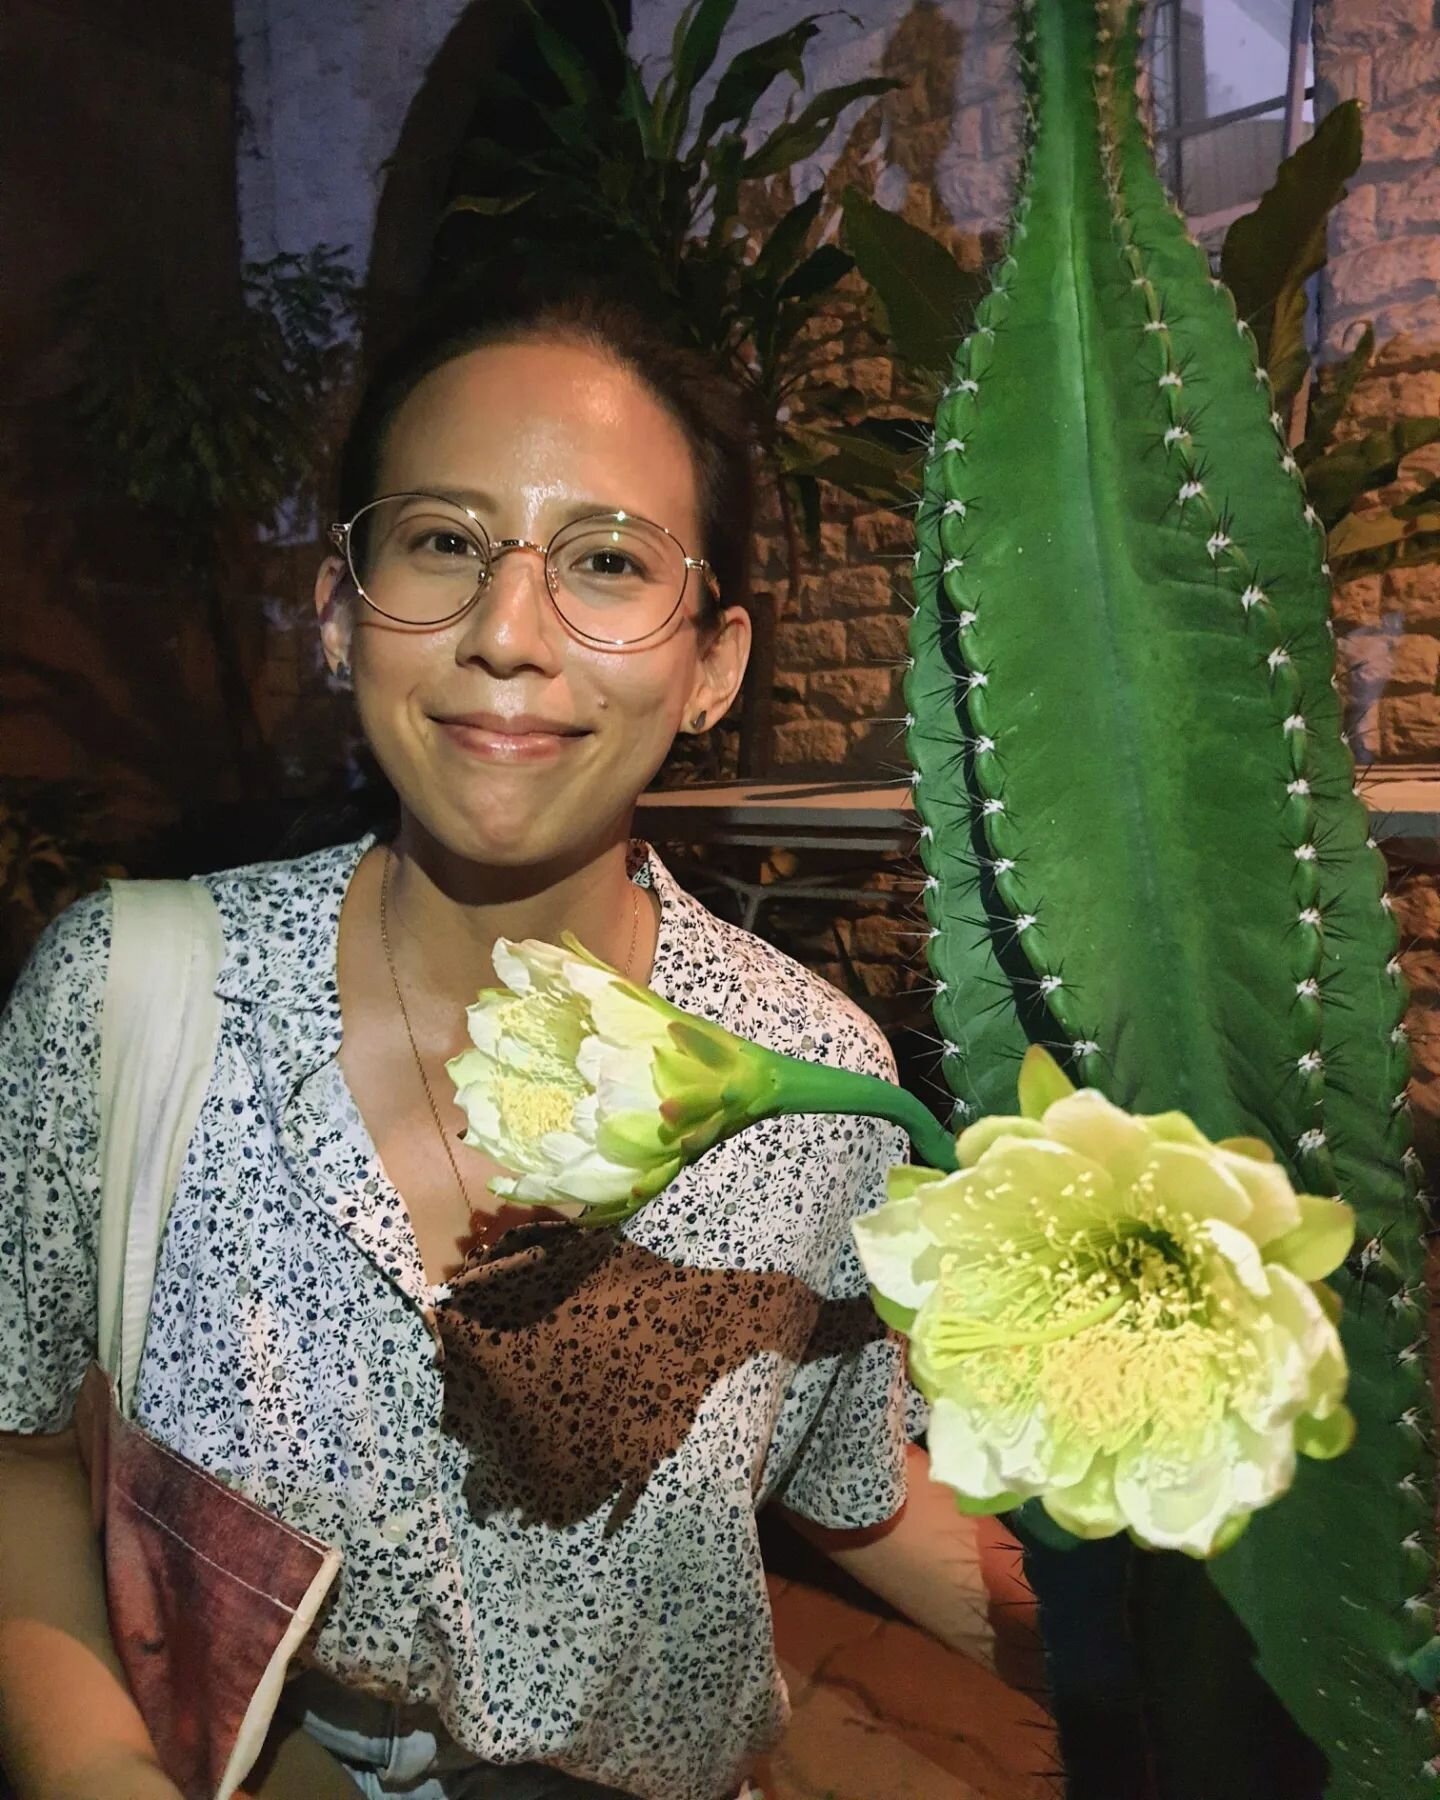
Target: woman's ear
column 334, row 607
column 725, row 652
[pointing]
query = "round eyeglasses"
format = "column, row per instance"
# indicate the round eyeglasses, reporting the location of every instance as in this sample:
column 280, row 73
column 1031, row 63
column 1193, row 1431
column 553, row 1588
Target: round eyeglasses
column 613, row 578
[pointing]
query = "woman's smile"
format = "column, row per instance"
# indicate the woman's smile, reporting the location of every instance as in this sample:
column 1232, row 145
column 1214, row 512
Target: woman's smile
column 509, row 738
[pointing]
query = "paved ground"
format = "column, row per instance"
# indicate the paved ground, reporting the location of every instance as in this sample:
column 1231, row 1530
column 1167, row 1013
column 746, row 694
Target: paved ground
column 883, row 1712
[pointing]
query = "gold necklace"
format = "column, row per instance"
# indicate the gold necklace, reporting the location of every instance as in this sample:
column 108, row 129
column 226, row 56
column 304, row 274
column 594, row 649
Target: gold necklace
column 470, row 1208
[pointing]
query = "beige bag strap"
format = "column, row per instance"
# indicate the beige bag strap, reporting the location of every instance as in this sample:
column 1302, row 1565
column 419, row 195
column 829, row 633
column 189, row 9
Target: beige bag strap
column 157, row 1048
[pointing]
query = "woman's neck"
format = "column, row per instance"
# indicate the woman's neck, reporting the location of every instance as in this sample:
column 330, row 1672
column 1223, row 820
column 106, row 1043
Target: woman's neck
column 449, row 911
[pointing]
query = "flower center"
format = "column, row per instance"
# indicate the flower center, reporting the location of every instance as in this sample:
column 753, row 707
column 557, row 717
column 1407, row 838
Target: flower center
column 529, row 1109
column 1112, row 1331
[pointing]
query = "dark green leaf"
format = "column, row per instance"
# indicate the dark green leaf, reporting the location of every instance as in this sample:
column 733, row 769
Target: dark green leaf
column 1427, row 499
column 1335, row 481
column 1328, row 406
column 807, row 131
column 819, row 272
column 926, row 296
column 697, row 38
column 869, row 470
column 805, row 494
column 750, row 75
column 490, row 205
column 565, row 59
column 1275, row 249
column 785, row 242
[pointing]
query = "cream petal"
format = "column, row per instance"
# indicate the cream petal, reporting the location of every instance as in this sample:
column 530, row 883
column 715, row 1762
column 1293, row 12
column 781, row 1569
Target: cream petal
column 1095, row 1127
column 470, row 1068
column 1240, row 1251
column 976, row 1139
column 1185, row 1511
column 1274, row 1209
column 959, row 1455
column 1088, row 1507
column 1263, row 1462
column 512, row 965
column 482, row 1020
column 1320, row 1239
column 891, row 1241
column 1185, row 1179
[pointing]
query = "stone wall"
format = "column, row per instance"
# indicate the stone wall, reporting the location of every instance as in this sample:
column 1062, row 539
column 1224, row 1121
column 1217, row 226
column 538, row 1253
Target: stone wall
column 1384, row 267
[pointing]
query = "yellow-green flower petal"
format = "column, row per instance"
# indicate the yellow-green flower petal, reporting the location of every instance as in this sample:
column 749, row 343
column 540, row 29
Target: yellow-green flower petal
column 1319, row 1243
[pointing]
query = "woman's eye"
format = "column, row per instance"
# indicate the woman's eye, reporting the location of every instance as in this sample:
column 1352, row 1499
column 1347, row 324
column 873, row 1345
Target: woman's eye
column 611, row 562
column 445, row 543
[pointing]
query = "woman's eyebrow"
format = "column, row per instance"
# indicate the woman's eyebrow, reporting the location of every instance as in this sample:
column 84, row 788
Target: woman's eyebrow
column 480, row 501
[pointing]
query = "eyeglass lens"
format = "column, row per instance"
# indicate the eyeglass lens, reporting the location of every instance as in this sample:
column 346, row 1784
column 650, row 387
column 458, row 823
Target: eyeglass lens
column 421, row 561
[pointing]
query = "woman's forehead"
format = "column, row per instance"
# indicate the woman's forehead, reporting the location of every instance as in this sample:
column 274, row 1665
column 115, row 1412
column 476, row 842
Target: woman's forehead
column 554, row 414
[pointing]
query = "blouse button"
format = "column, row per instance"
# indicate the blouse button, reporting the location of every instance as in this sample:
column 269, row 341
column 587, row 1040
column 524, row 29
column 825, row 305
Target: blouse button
column 395, row 1529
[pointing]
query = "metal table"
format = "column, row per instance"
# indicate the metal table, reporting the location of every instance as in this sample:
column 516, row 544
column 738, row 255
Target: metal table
column 879, row 819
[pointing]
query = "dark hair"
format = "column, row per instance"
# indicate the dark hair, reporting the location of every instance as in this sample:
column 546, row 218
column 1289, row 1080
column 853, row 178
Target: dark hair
column 704, row 402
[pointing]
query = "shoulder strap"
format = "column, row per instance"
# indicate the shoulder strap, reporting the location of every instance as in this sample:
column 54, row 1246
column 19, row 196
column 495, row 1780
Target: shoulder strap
column 157, row 1048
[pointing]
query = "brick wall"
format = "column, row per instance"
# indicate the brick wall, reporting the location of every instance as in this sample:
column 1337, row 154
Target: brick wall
column 1384, row 267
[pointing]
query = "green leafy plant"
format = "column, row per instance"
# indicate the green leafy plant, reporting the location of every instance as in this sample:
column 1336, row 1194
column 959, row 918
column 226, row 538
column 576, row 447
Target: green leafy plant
column 1144, row 851
column 1267, row 259
column 216, row 434
column 652, row 191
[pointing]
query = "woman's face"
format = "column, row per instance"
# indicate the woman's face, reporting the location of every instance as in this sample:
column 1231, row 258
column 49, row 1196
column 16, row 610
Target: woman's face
column 531, row 436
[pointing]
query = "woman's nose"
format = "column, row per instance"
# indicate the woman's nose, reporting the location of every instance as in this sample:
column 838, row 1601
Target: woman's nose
column 513, row 622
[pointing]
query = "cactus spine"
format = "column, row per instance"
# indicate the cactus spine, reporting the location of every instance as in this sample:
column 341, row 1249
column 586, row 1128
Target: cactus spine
column 1142, row 841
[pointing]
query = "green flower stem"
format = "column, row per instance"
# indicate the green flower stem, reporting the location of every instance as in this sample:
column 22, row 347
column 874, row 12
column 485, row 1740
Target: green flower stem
column 802, row 1087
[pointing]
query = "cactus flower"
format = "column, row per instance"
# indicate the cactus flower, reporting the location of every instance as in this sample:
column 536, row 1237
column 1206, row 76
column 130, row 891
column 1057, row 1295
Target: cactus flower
column 1116, row 1315
column 597, row 1091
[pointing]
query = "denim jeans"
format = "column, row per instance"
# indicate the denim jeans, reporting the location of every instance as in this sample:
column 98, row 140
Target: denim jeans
column 390, row 1749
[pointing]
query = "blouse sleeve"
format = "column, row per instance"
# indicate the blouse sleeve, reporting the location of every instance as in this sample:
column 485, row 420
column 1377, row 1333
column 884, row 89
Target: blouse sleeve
column 49, row 1174
column 851, row 1397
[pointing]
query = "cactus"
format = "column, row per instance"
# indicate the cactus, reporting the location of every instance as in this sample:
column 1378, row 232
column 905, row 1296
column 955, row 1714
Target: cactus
column 1144, row 848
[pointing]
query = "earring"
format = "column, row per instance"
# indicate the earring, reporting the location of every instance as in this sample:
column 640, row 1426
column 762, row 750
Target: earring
column 698, row 722
column 341, row 673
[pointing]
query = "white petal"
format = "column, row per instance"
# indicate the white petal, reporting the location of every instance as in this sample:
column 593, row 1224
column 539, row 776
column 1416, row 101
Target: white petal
column 1086, row 1121
column 959, row 1455
column 1185, row 1178
column 1240, row 1251
column 1175, row 1511
column 892, row 1241
column 1274, row 1210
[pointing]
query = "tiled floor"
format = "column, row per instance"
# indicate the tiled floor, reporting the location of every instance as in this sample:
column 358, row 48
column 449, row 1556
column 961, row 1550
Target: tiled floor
column 883, row 1712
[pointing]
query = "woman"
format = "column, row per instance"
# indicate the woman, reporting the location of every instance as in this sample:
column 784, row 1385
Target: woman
column 541, row 1450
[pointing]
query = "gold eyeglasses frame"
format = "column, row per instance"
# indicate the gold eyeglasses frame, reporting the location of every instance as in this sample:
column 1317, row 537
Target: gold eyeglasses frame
column 340, row 536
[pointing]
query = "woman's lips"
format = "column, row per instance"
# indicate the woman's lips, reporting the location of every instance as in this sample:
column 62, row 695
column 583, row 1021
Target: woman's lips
column 508, row 746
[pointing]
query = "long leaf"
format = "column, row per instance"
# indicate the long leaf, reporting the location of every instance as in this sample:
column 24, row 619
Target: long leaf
column 786, row 240
column 807, row 131
column 1336, row 481
column 751, row 74
column 928, row 299
column 1327, row 408
column 819, row 272
column 491, row 206
column 696, row 40
column 1270, row 253
column 566, row 61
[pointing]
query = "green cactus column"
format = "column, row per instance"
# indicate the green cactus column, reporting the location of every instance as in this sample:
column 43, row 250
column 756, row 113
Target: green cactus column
column 1140, row 832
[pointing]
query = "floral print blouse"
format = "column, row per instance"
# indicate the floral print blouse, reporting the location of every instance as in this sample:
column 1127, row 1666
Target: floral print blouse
column 543, row 1478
